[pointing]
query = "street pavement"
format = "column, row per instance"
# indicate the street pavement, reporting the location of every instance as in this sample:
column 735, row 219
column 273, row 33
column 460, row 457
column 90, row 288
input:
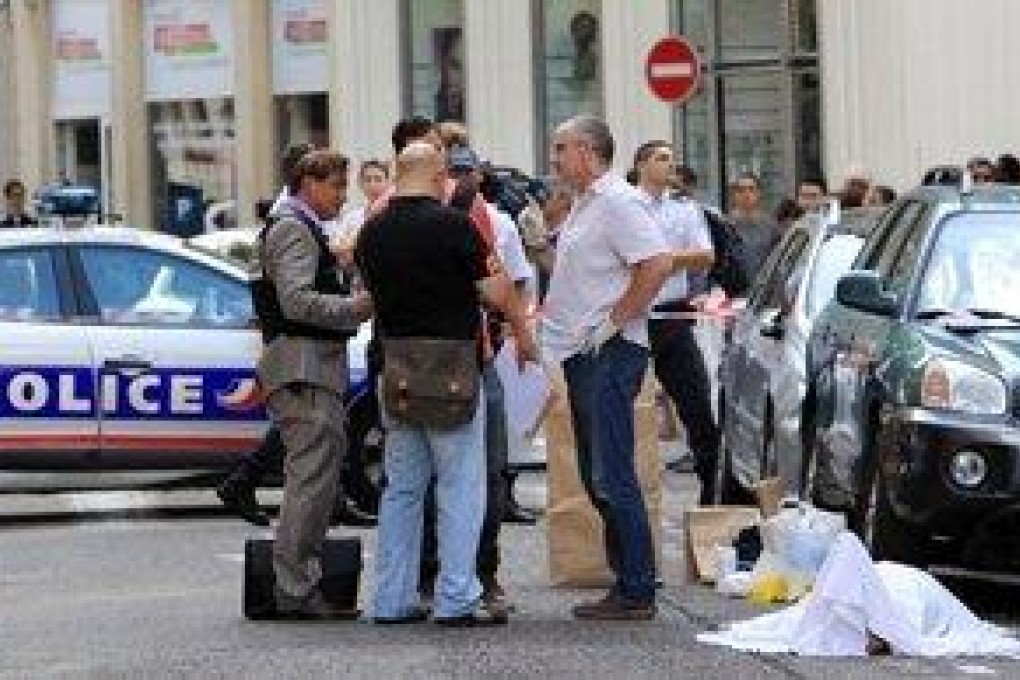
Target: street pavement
column 139, row 592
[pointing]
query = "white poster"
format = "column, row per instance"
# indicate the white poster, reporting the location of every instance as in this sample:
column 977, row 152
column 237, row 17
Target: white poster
column 300, row 46
column 81, row 57
column 189, row 49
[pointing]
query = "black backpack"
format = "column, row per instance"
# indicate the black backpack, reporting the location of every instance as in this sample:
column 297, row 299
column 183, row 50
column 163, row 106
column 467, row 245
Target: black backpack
column 729, row 271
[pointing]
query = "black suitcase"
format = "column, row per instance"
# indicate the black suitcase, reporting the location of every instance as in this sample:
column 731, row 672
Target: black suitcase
column 341, row 571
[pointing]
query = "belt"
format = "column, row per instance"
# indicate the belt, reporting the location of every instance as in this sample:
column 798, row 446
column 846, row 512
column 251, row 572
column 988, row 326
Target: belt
column 674, row 310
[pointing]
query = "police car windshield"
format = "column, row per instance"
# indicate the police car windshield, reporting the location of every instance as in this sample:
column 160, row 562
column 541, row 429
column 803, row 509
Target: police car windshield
column 974, row 265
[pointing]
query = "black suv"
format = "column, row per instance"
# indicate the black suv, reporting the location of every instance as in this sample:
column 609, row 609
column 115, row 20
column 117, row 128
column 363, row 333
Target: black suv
column 912, row 418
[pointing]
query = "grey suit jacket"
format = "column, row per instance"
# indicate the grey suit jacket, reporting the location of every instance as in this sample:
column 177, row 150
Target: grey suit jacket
column 288, row 257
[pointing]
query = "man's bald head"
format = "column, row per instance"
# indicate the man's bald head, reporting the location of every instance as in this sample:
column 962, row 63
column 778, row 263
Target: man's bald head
column 420, row 169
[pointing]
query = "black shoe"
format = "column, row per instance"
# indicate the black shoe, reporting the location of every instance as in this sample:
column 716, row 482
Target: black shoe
column 418, row 615
column 482, row 617
column 517, row 514
column 238, row 495
column 347, row 513
column 313, row 607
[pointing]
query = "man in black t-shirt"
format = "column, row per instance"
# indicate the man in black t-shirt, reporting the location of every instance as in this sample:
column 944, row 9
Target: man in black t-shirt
column 428, row 272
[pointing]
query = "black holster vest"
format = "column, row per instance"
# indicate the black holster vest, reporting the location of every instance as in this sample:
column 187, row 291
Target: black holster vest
column 328, row 281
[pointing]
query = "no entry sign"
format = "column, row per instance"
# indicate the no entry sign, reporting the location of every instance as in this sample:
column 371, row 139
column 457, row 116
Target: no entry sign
column 673, row 70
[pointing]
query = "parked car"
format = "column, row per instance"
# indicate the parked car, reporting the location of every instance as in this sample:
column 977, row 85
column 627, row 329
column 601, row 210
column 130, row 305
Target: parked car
column 124, row 349
column 762, row 369
column 911, row 420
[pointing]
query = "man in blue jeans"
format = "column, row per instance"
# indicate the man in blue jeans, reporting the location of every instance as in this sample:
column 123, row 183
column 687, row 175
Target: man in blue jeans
column 611, row 261
column 428, row 271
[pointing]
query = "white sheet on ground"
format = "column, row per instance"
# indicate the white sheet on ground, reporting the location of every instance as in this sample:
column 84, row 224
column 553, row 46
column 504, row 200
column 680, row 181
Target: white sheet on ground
column 852, row 595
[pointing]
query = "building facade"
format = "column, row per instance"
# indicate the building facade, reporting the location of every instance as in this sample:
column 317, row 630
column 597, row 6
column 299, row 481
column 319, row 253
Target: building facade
column 177, row 109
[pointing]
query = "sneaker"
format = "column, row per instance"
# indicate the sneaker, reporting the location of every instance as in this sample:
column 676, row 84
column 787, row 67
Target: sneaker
column 345, row 512
column 237, row 494
column 613, row 607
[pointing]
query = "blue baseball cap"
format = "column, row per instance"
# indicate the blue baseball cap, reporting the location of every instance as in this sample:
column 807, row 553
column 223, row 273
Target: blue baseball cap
column 462, row 158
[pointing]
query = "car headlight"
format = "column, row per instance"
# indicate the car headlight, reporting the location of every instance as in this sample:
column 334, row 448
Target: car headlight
column 957, row 386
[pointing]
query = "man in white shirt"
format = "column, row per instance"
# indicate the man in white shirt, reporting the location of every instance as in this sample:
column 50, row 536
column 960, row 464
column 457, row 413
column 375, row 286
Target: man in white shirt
column 679, row 364
column 611, row 261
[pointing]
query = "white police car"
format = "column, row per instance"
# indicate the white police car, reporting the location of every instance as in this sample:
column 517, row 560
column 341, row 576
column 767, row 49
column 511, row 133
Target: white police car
column 123, row 349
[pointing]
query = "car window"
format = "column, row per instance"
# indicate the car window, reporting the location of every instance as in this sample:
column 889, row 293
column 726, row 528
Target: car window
column 834, row 258
column 883, row 233
column 784, row 277
column 899, row 268
column 140, row 286
column 28, row 285
column 974, row 265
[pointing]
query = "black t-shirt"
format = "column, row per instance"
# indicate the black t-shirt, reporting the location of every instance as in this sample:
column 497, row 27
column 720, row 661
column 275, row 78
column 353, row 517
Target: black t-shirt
column 421, row 261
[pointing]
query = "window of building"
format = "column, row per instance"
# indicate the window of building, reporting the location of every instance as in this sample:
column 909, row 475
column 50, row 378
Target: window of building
column 301, row 118
column 194, row 162
column 301, row 35
column 759, row 106
column 568, row 64
column 435, row 78
column 753, row 130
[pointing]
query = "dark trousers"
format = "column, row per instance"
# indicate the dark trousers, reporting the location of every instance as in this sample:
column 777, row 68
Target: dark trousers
column 602, row 389
column 680, row 368
column 496, row 462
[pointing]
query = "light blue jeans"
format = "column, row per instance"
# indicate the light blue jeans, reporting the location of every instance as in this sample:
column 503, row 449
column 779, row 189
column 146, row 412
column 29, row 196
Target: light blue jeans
column 457, row 457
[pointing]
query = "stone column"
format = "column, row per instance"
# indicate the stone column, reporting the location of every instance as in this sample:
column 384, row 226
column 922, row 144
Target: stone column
column 364, row 91
column 629, row 29
column 32, row 65
column 500, row 81
column 130, row 146
column 7, row 131
column 253, row 106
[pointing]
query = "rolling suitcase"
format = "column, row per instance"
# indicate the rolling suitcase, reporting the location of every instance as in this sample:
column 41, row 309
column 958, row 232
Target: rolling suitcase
column 341, row 571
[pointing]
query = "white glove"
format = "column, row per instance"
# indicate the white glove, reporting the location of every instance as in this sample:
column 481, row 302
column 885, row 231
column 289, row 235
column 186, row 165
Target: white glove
column 599, row 336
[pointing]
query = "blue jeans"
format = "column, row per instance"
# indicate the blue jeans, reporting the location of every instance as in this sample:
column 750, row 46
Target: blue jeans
column 457, row 458
column 602, row 388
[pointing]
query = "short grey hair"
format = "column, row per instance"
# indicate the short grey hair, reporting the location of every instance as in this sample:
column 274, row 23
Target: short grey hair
column 596, row 132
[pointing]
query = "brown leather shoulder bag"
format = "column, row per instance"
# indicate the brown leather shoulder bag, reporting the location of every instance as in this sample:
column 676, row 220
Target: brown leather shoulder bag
column 430, row 382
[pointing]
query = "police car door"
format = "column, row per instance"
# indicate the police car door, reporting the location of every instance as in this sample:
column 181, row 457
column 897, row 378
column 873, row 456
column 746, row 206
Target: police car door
column 47, row 409
column 175, row 357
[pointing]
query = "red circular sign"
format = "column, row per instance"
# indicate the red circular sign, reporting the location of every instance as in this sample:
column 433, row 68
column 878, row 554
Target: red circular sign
column 673, row 70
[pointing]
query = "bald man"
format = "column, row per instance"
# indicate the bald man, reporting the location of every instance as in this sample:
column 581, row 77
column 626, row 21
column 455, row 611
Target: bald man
column 429, row 272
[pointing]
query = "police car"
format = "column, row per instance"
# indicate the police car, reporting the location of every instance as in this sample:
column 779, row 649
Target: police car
column 124, row 349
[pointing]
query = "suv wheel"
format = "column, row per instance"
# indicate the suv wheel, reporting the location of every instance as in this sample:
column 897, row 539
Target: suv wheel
column 728, row 490
column 886, row 535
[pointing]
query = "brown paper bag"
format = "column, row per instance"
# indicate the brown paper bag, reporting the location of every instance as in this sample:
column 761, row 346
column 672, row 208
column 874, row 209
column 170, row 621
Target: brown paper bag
column 707, row 528
column 577, row 555
column 769, row 493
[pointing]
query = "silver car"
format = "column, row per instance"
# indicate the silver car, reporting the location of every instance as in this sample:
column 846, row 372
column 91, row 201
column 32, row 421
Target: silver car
column 762, row 370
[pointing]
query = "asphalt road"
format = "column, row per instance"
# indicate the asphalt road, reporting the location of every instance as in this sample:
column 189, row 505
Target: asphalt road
column 144, row 595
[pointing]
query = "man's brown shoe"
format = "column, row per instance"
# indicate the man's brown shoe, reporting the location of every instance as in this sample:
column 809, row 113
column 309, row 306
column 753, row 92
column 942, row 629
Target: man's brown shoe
column 614, row 608
column 312, row 607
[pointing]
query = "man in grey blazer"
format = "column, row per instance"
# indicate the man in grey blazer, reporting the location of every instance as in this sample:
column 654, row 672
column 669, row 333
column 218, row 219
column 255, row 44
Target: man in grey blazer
column 307, row 316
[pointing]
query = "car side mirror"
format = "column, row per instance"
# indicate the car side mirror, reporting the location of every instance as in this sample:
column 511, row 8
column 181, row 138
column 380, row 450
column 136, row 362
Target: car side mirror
column 865, row 291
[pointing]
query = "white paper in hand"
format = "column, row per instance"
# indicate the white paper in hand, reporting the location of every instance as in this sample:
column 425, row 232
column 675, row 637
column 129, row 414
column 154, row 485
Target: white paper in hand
column 525, row 393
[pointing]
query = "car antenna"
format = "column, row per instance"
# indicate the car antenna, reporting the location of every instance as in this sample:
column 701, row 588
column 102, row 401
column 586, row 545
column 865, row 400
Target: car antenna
column 966, row 183
column 832, row 212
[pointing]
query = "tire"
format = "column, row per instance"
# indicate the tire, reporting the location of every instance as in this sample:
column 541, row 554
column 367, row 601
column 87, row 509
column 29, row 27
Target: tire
column 728, row 489
column 886, row 535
